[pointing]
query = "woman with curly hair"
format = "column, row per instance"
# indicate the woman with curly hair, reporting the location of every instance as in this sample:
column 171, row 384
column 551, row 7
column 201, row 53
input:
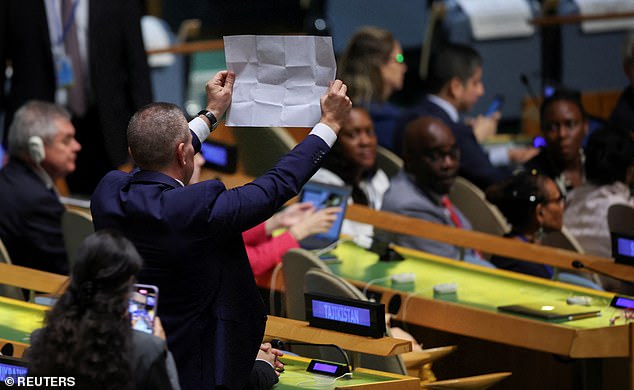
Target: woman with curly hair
column 373, row 68
column 88, row 334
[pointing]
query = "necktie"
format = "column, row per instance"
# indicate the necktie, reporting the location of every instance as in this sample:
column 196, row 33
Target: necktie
column 76, row 95
column 452, row 211
column 456, row 219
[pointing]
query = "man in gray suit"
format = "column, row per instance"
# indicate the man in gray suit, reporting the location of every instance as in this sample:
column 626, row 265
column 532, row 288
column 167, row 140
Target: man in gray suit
column 420, row 189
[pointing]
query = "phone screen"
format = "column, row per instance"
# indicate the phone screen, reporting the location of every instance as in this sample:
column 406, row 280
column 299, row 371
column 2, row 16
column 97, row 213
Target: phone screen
column 496, row 105
column 142, row 307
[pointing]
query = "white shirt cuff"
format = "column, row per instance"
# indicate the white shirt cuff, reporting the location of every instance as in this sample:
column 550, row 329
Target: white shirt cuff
column 200, row 128
column 499, row 156
column 324, row 132
column 266, row 361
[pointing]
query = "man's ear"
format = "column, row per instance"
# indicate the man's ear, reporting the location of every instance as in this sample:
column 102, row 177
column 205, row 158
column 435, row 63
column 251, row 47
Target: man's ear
column 180, row 154
column 539, row 213
column 455, row 88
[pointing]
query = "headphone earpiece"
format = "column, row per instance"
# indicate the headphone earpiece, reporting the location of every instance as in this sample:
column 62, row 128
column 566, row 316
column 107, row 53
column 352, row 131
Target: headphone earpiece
column 36, row 149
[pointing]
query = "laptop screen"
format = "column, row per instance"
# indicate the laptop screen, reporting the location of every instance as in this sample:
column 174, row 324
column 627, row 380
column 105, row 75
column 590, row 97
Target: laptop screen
column 321, row 196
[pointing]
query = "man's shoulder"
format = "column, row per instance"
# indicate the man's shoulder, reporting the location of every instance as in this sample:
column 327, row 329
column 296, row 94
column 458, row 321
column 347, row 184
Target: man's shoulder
column 402, row 191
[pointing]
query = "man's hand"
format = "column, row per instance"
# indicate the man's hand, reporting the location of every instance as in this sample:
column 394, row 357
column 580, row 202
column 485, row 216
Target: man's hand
column 219, row 90
column 335, row 105
column 270, row 354
column 484, row 126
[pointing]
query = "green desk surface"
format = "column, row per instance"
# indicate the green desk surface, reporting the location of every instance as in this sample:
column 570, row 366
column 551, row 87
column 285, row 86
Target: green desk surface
column 18, row 319
column 295, row 376
column 477, row 287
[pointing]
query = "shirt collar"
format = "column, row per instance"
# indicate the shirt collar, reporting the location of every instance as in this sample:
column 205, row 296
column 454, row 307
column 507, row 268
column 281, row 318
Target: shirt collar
column 446, row 106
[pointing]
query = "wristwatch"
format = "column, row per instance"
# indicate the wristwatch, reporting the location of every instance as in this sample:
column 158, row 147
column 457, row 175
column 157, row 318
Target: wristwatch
column 211, row 117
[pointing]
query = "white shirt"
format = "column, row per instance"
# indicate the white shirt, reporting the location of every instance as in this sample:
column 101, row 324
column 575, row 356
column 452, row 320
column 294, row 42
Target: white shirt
column 586, row 215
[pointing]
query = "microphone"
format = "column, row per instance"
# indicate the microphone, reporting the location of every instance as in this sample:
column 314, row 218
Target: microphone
column 529, row 89
column 283, row 345
column 579, row 265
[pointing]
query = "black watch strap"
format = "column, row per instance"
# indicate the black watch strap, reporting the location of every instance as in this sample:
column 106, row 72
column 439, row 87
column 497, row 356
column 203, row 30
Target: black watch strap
column 211, row 117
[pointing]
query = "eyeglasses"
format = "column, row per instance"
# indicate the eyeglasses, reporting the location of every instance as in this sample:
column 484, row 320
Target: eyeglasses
column 560, row 199
column 399, row 58
column 436, row 155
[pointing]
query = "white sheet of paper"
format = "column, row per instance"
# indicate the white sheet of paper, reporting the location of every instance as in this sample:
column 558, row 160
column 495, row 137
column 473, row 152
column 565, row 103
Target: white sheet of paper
column 496, row 19
column 279, row 79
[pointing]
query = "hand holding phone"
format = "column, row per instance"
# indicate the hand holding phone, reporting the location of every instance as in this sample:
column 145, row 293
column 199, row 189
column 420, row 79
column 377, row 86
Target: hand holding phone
column 142, row 307
column 496, row 105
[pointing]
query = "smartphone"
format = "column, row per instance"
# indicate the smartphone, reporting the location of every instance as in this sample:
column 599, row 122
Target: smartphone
column 496, row 105
column 142, row 307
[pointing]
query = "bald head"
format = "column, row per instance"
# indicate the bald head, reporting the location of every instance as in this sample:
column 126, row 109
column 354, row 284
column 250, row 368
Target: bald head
column 430, row 154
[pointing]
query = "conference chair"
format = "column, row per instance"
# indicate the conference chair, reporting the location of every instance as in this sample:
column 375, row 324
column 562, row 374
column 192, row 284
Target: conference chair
column 564, row 240
column 410, row 363
column 7, row 290
column 388, row 161
column 295, row 263
column 259, row 148
column 471, row 201
column 621, row 219
column 76, row 226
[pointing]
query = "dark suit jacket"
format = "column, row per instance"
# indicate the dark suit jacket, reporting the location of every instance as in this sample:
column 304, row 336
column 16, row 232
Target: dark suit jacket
column 474, row 161
column 119, row 74
column 31, row 220
column 191, row 241
column 623, row 114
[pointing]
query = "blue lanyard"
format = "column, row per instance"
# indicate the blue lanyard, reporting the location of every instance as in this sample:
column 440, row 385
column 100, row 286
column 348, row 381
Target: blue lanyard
column 68, row 23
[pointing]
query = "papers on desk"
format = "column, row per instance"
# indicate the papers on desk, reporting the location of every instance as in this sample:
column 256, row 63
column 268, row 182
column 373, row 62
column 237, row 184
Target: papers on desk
column 594, row 7
column 279, row 79
column 494, row 19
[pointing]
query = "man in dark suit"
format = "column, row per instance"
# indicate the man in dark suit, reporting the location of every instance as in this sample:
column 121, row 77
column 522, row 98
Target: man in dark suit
column 42, row 147
column 191, row 236
column 111, row 66
column 455, row 85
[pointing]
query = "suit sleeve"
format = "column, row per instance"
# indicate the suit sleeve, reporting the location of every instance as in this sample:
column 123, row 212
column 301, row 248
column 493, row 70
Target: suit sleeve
column 241, row 208
column 262, row 376
column 268, row 253
column 475, row 165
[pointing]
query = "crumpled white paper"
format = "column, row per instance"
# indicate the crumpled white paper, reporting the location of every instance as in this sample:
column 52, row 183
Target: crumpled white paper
column 279, row 79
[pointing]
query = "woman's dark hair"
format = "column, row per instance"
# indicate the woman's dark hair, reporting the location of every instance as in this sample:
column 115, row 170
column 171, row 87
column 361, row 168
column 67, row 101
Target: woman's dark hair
column 609, row 153
column 88, row 334
column 337, row 163
column 518, row 196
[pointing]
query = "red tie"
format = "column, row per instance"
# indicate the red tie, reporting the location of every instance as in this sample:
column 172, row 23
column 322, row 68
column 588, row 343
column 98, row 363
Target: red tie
column 452, row 211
